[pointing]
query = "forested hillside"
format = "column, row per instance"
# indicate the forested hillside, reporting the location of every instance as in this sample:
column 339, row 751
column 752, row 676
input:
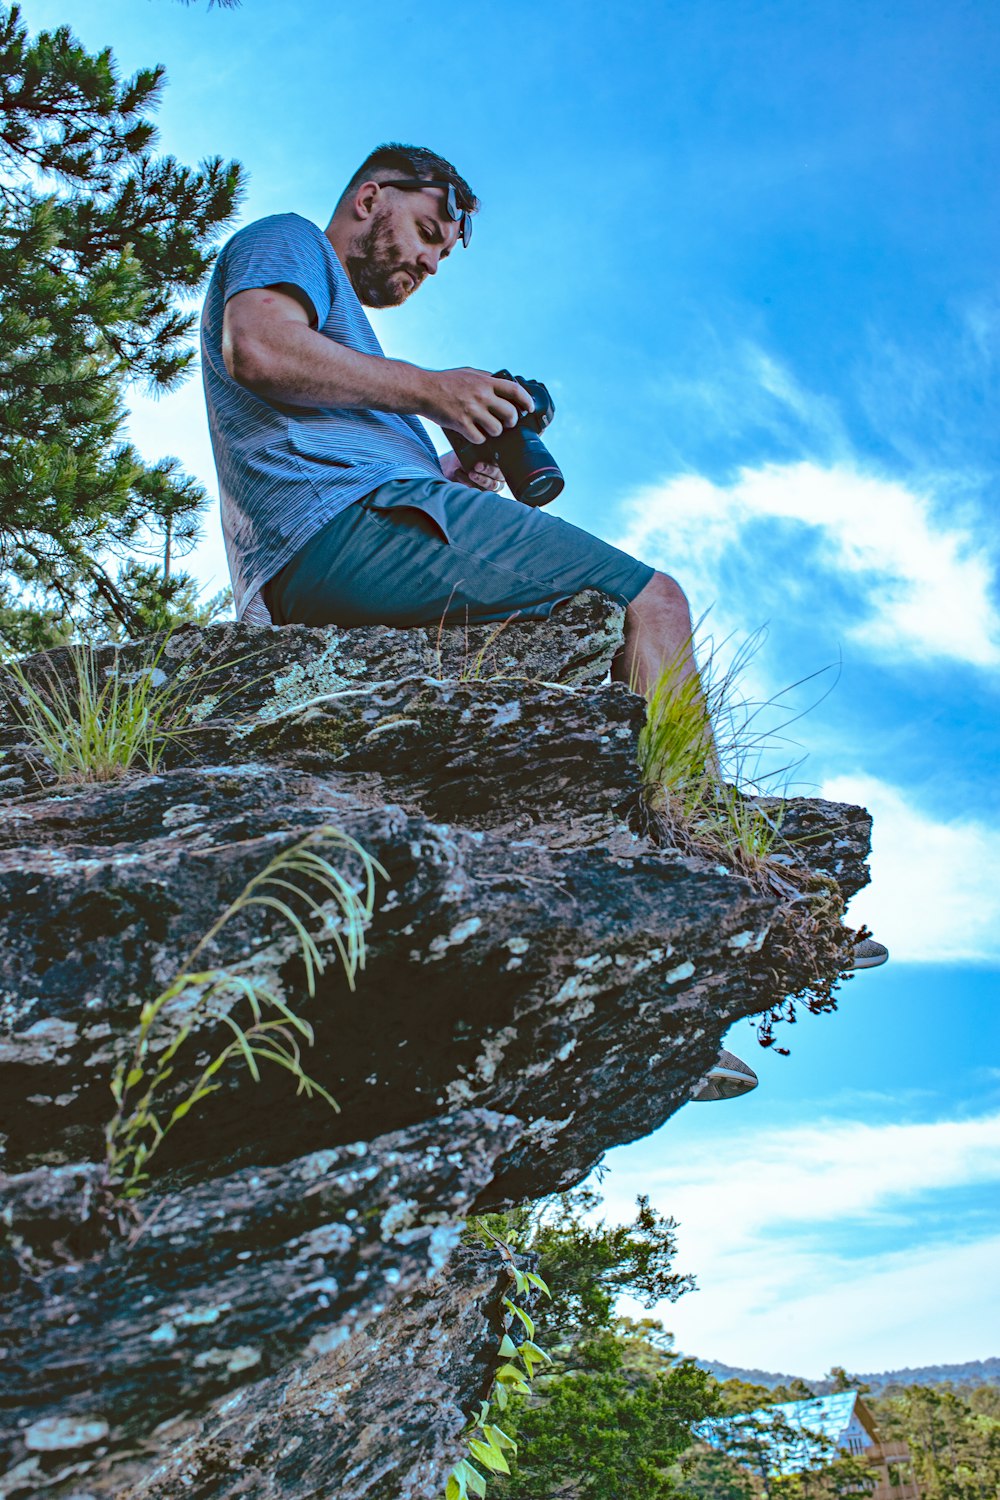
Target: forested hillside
column 972, row 1372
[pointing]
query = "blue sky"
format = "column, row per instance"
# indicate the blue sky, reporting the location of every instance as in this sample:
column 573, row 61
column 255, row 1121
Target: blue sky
column 752, row 249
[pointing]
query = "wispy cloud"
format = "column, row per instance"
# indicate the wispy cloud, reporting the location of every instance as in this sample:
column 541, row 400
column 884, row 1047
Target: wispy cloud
column 762, row 1226
column 733, row 391
column 868, row 551
column 935, row 891
column 934, row 397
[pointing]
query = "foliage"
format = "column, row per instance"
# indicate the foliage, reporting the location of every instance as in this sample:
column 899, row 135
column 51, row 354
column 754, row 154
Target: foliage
column 743, row 1395
column 158, row 602
column 840, row 1477
column 617, row 1415
column 488, row 1443
column 100, row 725
column 707, row 1474
column 100, row 243
column 590, row 1264
column 596, row 1430
column 94, row 723
column 953, row 1437
column 614, row 1408
column 300, row 876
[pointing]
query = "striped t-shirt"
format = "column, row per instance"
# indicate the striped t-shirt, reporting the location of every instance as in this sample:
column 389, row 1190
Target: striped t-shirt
column 285, row 470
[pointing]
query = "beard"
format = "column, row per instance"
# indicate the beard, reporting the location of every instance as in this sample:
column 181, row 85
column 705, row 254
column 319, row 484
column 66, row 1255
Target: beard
column 375, row 269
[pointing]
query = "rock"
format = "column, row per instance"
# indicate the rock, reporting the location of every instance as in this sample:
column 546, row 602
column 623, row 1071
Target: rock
column 232, row 1283
column 545, row 976
column 379, row 1415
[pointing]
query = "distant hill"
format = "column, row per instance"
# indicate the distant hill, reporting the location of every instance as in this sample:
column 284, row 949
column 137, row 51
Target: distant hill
column 975, row 1372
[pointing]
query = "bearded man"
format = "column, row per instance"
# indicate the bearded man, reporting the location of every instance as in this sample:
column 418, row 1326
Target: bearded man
column 336, row 509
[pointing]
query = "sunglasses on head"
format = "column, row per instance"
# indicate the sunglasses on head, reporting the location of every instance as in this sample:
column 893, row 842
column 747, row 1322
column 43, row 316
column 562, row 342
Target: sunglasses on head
column 458, row 215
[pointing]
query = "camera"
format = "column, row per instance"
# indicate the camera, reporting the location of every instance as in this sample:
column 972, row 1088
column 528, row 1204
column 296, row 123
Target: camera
column 527, row 465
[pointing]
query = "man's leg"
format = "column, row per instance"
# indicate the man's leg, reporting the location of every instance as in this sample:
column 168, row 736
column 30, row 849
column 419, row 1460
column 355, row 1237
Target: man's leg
column 657, row 636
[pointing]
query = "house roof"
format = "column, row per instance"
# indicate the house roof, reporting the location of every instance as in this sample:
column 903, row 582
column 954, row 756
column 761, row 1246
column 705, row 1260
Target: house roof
column 827, row 1417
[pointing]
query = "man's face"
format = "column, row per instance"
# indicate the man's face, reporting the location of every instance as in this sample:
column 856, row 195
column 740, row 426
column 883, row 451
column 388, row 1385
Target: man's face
column 404, row 240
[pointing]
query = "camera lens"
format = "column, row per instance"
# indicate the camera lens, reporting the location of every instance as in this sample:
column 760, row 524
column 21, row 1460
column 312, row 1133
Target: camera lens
column 542, row 487
column 529, row 468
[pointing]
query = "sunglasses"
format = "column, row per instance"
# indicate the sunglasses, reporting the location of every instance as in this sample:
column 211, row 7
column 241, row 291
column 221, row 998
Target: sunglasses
column 458, row 215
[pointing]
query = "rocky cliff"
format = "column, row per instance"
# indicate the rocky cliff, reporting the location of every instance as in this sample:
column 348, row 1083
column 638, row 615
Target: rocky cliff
column 288, row 1310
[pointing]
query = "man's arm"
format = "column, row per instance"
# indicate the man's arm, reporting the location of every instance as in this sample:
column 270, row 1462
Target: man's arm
column 269, row 346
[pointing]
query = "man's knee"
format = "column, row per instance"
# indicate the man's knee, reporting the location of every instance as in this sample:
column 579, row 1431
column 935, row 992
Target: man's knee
column 661, row 592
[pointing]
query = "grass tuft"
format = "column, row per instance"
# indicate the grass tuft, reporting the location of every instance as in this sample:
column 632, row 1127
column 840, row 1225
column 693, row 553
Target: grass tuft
column 702, row 753
column 100, row 723
column 269, row 1030
column 97, row 723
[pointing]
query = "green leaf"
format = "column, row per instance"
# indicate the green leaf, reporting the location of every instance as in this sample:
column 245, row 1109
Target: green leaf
column 475, row 1481
column 529, row 1325
column 187, row 1104
column 488, row 1455
column 499, row 1438
column 536, row 1280
column 508, row 1349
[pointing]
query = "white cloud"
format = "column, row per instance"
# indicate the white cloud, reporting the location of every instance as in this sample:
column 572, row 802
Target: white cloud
column 935, row 891
column 763, row 546
column 759, row 1218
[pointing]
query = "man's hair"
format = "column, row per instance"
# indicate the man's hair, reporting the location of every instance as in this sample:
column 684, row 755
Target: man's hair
column 416, row 162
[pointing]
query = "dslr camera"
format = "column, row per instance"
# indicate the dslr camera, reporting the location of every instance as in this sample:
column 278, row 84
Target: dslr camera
column 527, row 465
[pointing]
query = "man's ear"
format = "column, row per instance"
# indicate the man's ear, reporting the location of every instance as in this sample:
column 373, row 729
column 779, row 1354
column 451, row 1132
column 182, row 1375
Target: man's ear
column 365, row 199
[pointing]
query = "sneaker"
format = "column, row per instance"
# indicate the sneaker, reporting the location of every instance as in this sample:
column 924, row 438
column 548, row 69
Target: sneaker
column 730, row 1077
column 868, row 954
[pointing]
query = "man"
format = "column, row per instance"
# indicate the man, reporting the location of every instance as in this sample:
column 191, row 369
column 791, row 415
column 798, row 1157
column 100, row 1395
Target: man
column 335, row 506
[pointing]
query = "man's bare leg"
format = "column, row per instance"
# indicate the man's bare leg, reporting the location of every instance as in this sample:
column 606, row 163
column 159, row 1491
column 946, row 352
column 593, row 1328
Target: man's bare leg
column 657, row 635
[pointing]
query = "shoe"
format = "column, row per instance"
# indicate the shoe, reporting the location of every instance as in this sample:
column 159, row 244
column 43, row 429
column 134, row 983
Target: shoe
column 730, row 1077
column 868, row 954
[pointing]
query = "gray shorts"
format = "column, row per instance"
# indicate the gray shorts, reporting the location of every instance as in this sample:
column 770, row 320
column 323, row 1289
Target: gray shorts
column 423, row 551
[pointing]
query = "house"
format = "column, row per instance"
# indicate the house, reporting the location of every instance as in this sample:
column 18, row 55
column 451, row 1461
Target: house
column 798, row 1435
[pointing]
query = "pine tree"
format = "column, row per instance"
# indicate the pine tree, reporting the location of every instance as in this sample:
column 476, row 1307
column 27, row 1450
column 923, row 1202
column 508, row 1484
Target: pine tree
column 101, row 242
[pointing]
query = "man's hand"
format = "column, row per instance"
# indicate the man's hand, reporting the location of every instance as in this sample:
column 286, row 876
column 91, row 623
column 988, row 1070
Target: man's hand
column 473, row 403
column 480, row 476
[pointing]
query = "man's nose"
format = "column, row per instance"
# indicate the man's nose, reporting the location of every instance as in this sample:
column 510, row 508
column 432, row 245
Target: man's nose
column 429, row 258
